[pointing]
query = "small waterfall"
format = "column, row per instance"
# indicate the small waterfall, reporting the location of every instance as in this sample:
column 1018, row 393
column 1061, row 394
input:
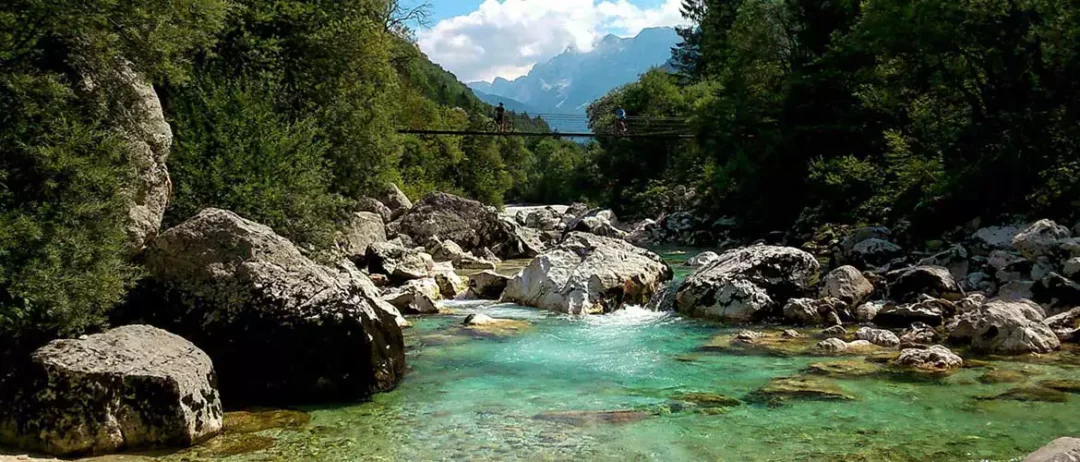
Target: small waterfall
column 664, row 299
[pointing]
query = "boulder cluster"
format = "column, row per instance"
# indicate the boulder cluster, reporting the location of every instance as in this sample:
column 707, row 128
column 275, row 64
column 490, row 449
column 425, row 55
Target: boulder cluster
column 1006, row 290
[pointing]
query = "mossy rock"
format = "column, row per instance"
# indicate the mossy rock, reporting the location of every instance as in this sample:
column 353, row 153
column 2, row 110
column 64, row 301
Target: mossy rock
column 772, row 344
column 257, row 421
column 848, row 368
column 1030, row 394
column 707, row 399
column 883, row 356
column 809, row 388
column 1063, row 385
column 1002, row 376
column 499, row 329
column 976, row 364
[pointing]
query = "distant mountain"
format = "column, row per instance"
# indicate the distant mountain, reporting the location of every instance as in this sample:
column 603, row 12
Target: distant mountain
column 510, row 103
column 570, row 81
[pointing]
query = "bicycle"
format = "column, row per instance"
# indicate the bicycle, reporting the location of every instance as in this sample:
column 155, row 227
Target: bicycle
column 508, row 126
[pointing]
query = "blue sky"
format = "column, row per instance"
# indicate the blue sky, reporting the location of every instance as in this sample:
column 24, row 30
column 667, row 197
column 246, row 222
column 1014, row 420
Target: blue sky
column 484, row 39
column 445, row 9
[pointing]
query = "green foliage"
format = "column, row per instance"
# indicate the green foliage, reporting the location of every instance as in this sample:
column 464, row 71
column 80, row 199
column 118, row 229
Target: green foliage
column 61, row 212
column 236, row 152
column 933, row 111
column 64, row 168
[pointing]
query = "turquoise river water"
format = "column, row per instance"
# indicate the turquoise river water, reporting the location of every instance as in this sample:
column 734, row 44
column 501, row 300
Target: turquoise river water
column 478, row 397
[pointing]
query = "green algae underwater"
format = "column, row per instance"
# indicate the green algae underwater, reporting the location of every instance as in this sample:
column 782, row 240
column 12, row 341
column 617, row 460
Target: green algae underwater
column 643, row 386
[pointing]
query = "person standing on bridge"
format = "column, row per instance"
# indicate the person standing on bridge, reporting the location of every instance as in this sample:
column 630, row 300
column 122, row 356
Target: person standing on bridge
column 500, row 118
column 620, row 120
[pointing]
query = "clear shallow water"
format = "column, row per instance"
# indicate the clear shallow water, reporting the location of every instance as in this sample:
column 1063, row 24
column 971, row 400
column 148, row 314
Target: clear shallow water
column 490, row 398
column 485, row 398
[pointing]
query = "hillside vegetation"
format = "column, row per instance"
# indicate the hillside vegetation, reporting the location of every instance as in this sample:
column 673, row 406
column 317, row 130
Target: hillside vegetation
column 284, row 111
column 928, row 112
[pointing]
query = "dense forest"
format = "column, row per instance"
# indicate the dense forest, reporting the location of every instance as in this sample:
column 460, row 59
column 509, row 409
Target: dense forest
column 930, row 113
column 927, row 113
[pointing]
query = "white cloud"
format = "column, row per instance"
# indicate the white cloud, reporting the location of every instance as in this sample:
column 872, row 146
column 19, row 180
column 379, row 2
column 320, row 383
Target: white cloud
column 505, row 38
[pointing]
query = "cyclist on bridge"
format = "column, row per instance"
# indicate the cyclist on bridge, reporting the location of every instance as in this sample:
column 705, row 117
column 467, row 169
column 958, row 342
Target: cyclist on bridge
column 500, row 117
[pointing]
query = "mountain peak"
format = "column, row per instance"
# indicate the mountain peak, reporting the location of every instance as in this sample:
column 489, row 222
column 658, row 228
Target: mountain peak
column 571, row 81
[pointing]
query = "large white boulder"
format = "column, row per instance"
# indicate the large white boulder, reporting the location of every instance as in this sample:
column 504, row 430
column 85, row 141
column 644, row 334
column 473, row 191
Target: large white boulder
column 132, row 387
column 847, row 284
column 362, row 230
column 589, row 274
column 1015, row 327
column 1043, row 238
column 747, row 283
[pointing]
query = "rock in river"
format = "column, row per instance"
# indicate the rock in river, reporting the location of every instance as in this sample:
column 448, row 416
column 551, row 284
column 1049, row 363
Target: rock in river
column 933, row 360
column 279, row 327
column 589, row 274
column 133, row 387
column 746, row 284
column 1059, row 450
column 488, row 285
column 470, row 224
column 1012, row 328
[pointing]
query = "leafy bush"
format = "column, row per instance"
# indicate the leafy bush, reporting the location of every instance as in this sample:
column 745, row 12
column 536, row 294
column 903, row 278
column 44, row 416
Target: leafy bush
column 235, row 151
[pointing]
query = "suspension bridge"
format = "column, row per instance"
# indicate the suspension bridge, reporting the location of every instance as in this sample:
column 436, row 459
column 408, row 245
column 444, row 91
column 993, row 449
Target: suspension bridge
column 569, row 126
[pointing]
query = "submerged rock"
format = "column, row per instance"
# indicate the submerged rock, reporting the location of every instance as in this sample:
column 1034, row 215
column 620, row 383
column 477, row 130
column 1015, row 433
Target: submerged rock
column 1065, row 385
column 133, row 387
column 1031, row 394
column 483, row 323
column 707, row 399
column 1002, row 376
column 589, row 274
column 257, row 421
column 279, row 327
column 844, row 369
column 746, row 284
column 783, row 389
column 586, row 418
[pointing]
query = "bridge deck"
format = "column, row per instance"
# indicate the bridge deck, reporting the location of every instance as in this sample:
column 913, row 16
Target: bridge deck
column 549, row 135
